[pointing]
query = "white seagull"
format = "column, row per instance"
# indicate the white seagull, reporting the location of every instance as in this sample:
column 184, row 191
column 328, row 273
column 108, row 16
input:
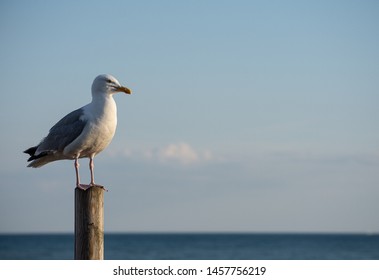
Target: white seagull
column 84, row 132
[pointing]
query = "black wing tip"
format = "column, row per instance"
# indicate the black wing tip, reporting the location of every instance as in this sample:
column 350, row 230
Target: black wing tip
column 31, row 151
column 33, row 157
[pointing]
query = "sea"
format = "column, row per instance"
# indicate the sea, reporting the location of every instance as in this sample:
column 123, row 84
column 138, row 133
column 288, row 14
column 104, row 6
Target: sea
column 198, row 246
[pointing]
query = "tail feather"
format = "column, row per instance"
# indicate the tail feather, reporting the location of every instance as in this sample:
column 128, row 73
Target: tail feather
column 40, row 159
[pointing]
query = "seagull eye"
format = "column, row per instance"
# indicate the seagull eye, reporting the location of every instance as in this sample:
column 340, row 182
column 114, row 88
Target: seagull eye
column 109, row 81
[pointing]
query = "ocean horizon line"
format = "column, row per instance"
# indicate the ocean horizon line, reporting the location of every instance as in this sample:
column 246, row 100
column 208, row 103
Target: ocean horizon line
column 199, row 233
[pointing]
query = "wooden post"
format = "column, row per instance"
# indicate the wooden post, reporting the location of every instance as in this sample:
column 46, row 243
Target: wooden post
column 89, row 224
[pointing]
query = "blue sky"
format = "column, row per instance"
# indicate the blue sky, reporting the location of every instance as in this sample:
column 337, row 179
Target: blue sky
column 252, row 116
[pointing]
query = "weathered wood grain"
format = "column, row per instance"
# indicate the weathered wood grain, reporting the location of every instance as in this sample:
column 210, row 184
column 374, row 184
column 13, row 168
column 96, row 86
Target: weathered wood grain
column 89, row 224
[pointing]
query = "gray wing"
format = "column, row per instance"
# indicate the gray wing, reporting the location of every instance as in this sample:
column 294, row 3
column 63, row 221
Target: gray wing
column 63, row 132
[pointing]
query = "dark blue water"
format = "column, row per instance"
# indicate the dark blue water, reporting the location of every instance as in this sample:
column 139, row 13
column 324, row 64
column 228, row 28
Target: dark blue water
column 199, row 246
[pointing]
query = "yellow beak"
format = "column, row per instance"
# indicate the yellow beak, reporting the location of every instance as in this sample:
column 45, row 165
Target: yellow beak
column 125, row 89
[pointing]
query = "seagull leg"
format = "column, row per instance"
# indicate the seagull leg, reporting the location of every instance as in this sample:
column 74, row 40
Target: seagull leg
column 91, row 167
column 78, row 185
column 76, row 164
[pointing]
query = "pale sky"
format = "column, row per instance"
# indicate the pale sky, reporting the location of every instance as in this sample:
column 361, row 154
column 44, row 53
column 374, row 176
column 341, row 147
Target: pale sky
column 246, row 116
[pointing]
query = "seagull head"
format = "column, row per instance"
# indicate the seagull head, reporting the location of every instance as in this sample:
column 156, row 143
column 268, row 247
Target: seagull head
column 107, row 84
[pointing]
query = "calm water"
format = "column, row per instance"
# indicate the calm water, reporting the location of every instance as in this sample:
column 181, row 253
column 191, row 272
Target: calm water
column 198, row 246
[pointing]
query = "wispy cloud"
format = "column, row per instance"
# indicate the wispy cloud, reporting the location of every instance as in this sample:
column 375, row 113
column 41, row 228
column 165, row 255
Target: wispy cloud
column 182, row 153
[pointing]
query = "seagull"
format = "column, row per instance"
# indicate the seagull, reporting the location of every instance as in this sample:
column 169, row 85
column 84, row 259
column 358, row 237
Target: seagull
column 84, row 132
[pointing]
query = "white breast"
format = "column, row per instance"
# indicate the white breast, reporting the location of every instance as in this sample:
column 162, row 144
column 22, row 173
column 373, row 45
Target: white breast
column 101, row 118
